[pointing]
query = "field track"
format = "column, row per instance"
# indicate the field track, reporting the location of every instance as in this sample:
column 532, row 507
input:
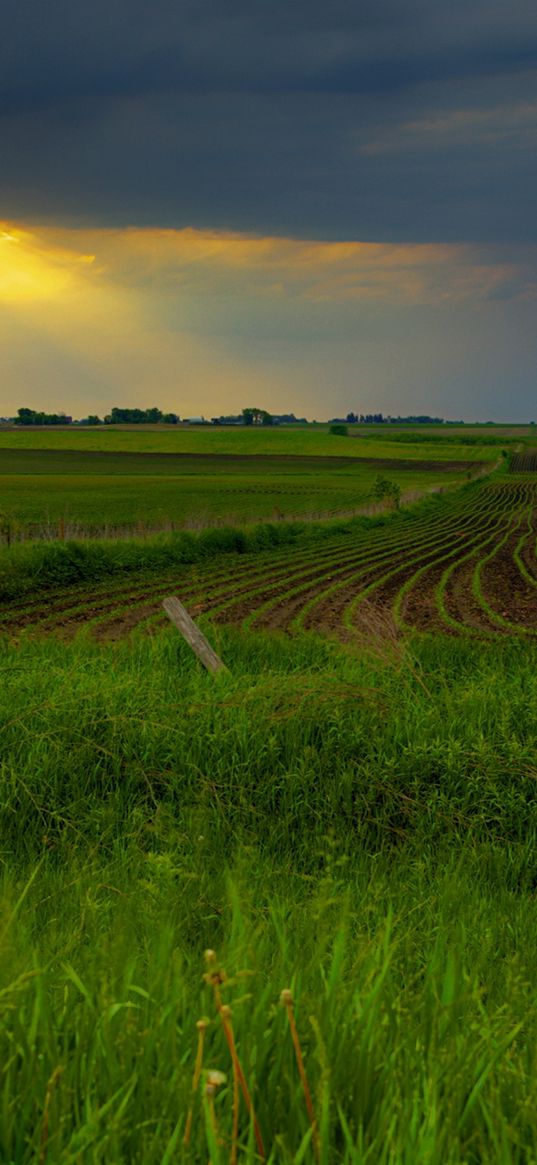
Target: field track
column 469, row 567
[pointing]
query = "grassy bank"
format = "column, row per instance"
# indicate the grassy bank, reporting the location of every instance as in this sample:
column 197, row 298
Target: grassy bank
column 358, row 828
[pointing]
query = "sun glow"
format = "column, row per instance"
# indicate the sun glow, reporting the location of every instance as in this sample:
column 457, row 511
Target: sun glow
column 49, row 264
column 31, row 270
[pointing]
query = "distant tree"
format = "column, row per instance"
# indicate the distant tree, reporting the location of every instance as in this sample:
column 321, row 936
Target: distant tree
column 25, row 417
column 133, row 416
column 338, row 430
column 153, row 416
column 93, row 419
column 422, row 419
column 255, row 416
column 170, row 419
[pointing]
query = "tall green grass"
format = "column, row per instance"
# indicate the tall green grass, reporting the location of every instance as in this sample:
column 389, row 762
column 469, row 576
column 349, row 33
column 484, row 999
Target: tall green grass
column 358, row 827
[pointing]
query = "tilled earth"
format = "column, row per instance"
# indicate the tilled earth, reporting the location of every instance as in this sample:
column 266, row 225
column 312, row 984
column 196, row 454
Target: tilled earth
column 470, row 568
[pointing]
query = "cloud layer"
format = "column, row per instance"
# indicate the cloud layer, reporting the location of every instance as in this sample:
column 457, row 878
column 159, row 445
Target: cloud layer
column 319, row 206
column 375, row 122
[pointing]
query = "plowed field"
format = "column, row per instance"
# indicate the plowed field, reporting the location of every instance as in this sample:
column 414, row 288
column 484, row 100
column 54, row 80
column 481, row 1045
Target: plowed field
column 525, row 462
column 468, row 567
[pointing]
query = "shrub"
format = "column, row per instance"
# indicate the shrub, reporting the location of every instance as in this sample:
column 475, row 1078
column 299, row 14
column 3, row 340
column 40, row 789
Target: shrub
column 386, row 490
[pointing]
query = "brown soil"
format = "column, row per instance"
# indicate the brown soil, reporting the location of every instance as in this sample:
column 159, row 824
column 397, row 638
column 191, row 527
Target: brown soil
column 419, row 608
column 460, row 602
column 505, row 588
column 528, row 555
column 330, row 611
column 524, row 462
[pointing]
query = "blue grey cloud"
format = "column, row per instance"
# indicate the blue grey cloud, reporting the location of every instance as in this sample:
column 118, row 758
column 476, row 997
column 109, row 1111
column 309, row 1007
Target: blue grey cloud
column 377, row 121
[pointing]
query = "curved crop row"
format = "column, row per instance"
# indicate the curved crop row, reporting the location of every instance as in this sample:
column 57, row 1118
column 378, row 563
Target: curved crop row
column 225, row 578
column 525, row 462
column 272, row 601
column 466, row 565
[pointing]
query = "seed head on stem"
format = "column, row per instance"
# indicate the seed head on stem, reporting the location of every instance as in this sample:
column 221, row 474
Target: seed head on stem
column 216, row 979
column 213, row 1080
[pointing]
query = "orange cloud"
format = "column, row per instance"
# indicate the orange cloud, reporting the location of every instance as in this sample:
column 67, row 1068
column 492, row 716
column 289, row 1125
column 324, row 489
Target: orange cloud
column 50, row 264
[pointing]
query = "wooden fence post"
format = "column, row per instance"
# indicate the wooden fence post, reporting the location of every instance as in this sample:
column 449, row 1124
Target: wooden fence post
column 199, row 644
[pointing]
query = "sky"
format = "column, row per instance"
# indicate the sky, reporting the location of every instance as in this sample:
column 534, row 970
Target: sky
column 299, row 206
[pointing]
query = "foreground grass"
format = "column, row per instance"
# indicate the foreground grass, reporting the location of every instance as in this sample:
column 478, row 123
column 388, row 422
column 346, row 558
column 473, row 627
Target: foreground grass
column 356, row 826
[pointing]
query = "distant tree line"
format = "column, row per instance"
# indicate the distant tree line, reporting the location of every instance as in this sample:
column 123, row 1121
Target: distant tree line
column 115, row 417
column 153, row 416
column 249, row 416
column 380, row 419
column 140, row 417
column 255, row 416
column 31, row 417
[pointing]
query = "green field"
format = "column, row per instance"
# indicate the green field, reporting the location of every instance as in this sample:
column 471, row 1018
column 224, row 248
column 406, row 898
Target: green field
column 83, row 503
column 102, row 481
column 307, row 441
column 347, row 812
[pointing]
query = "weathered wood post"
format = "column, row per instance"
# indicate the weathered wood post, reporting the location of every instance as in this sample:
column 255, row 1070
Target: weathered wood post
column 196, row 640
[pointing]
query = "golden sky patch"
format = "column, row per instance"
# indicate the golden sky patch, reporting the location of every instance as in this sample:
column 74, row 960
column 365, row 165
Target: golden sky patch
column 208, row 321
column 34, row 267
column 44, row 263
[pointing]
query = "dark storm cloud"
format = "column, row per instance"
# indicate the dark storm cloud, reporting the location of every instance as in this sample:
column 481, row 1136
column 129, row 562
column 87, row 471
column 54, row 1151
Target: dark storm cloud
column 373, row 121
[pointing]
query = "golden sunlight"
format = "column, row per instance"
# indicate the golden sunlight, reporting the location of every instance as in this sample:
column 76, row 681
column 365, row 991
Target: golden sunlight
column 31, row 269
column 46, row 263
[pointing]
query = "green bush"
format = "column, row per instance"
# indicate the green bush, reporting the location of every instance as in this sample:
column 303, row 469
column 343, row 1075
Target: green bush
column 385, row 490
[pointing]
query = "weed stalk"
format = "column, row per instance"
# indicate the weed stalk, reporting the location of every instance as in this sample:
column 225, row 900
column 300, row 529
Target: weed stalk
column 286, row 998
column 216, row 978
column 201, row 1025
column 51, row 1085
